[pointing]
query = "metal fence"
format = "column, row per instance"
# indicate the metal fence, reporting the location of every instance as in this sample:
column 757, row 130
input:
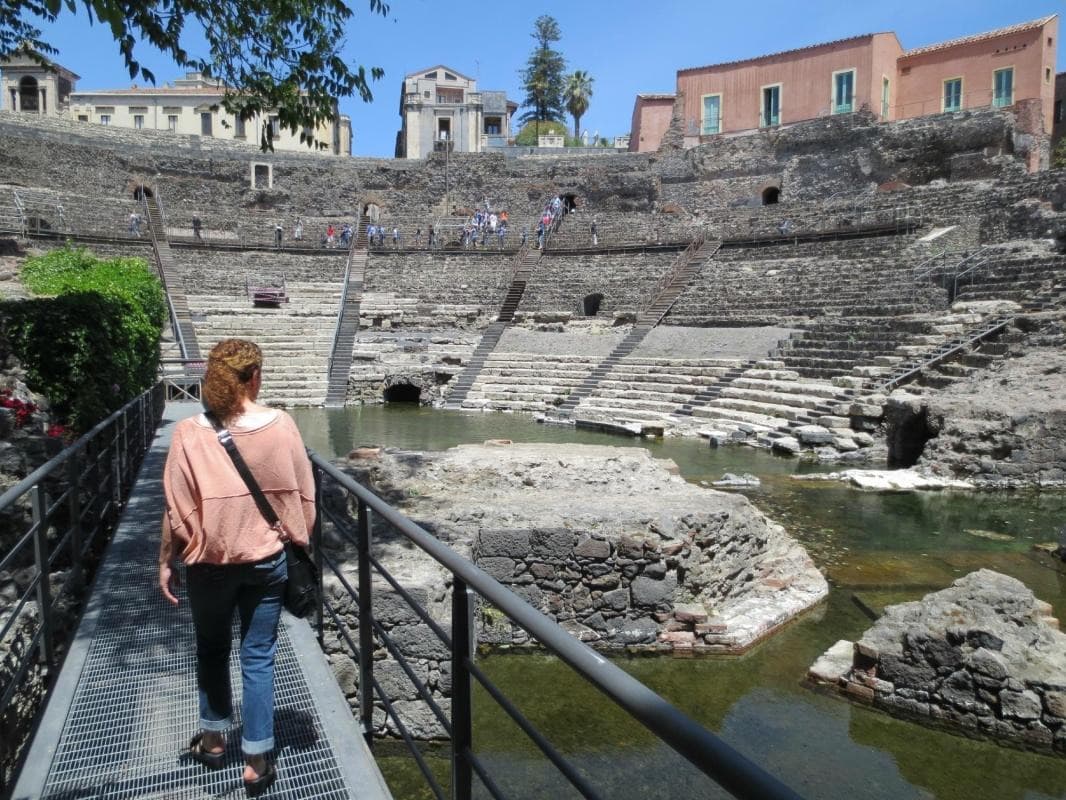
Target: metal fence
column 68, row 506
column 731, row 770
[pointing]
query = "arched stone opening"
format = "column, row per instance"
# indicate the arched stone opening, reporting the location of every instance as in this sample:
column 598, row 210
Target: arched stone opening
column 570, row 202
column 141, row 192
column 771, row 195
column 908, row 429
column 28, row 94
column 590, row 306
column 403, row 393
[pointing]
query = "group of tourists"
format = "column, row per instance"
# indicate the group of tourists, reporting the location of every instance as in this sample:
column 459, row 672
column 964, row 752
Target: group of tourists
column 549, row 217
column 376, row 235
column 483, row 227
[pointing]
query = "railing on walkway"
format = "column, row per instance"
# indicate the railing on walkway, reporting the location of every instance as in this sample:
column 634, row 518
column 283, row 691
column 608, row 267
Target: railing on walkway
column 181, row 378
column 74, row 501
column 707, row 752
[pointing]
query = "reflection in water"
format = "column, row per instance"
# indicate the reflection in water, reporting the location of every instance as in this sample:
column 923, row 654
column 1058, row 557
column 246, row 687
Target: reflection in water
column 878, row 549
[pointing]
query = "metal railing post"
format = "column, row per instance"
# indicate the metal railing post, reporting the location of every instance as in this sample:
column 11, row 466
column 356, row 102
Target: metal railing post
column 74, row 512
column 39, row 502
column 124, row 444
column 116, row 475
column 462, row 726
column 366, row 629
column 316, row 553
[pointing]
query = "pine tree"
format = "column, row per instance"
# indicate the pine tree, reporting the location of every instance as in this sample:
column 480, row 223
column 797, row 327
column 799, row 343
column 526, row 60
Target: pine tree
column 543, row 76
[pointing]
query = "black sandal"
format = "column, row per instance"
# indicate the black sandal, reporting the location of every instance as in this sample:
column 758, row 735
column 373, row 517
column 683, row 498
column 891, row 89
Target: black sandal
column 205, row 757
column 262, row 783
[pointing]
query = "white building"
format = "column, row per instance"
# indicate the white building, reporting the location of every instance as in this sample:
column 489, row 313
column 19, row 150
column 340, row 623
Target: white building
column 192, row 105
column 442, row 108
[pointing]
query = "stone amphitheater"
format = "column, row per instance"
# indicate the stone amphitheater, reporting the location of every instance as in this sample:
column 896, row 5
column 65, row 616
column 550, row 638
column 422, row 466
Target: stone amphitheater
column 895, row 262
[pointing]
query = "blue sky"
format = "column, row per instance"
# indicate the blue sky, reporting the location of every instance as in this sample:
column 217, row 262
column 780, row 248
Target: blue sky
column 628, row 46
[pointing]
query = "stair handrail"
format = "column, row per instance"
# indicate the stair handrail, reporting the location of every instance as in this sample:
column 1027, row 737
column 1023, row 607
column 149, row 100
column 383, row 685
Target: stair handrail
column 344, row 299
column 679, row 264
column 161, row 271
column 983, row 259
column 983, row 330
column 21, row 208
column 516, row 263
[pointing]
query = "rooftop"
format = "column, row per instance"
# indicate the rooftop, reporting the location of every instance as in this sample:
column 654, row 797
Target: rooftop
column 858, row 38
column 980, row 37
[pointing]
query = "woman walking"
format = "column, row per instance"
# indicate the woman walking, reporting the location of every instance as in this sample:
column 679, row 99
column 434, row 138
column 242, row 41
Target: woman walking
column 234, row 559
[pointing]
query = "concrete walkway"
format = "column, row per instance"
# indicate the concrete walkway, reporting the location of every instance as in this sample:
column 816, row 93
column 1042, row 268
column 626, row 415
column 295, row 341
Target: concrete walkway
column 124, row 707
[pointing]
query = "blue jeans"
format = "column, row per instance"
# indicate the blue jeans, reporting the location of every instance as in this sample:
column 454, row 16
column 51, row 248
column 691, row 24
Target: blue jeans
column 256, row 591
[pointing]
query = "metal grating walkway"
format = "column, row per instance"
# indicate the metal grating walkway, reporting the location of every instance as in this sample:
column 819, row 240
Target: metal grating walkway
column 124, row 707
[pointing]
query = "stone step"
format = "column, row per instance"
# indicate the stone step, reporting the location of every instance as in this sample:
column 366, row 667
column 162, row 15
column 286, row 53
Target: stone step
column 806, row 388
column 773, row 410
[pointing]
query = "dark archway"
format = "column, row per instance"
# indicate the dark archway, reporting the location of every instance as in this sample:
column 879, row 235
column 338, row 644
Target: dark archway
column 590, row 306
column 770, row 196
column 402, row 393
column 569, row 202
column 28, row 96
column 140, row 192
column 907, row 431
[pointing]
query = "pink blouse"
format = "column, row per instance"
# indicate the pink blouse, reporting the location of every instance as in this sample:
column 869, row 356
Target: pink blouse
column 213, row 517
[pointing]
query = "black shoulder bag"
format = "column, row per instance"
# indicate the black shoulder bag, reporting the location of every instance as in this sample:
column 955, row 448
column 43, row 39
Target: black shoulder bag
column 302, row 587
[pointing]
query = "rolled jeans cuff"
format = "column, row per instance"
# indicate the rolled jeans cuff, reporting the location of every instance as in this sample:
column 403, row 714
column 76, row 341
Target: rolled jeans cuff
column 257, row 748
column 216, row 725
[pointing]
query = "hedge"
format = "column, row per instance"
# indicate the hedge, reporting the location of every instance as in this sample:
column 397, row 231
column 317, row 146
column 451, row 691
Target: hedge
column 94, row 344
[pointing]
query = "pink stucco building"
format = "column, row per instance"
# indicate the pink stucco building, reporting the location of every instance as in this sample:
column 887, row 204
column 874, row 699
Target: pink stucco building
column 871, row 71
column 651, row 118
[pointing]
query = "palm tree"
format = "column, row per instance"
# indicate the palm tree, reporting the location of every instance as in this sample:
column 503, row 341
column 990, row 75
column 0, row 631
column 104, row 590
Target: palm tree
column 577, row 93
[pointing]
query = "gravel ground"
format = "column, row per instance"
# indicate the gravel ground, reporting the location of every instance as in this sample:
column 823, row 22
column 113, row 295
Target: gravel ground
column 671, row 341
column 597, row 342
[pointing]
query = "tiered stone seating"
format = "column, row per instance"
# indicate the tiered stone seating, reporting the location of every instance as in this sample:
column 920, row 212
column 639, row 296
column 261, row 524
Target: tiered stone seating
column 652, row 389
column 767, row 400
column 296, row 338
column 626, row 280
column 58, row 211
column 1011, row 277
column 828, row 348
column 766, row 285
column 430, row 289
column 532, row 382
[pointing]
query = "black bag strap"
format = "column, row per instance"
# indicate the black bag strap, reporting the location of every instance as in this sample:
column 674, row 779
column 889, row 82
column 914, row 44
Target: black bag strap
column 226, row 440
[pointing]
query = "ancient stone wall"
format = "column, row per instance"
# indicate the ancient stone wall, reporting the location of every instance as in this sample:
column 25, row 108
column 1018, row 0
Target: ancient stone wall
column 983, row 658
column 815, row 160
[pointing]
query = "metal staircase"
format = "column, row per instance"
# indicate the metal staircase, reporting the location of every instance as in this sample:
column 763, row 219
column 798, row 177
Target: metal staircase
column 181, row 319
column 340, row 359
column 679, row 276
column 524, row 264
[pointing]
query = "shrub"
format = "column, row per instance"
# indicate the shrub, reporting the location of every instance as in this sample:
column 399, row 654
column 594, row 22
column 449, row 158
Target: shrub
column 527, row 137
column 95, row 343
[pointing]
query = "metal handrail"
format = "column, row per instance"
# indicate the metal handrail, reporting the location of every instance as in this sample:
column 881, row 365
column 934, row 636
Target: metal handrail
column 77, row 494
column 679, row 264
column 21, row 208
column 175, row 325
column 344, row 297
column 946, row 351
column 707, row 752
